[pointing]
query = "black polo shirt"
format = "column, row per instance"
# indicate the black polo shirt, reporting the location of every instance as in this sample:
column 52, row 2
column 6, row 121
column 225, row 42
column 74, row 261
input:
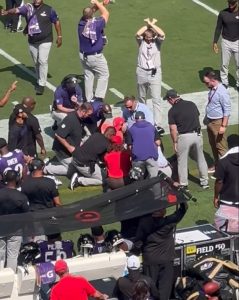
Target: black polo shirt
column 185, row 115
column 92, row 149
column 28, row 143
column 40, row 191
column 227, row 171
column 70, row 129
column 12, row 201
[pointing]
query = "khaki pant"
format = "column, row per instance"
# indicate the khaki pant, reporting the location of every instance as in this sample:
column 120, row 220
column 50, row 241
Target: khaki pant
column 218, row 142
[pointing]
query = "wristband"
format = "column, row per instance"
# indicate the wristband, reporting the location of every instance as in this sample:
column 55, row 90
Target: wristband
column 60, row 36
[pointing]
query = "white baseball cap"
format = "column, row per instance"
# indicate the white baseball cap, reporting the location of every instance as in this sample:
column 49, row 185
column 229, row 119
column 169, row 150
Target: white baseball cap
column 133, row 262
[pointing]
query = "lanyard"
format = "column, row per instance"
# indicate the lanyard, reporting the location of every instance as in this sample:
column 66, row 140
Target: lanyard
column 211, row 95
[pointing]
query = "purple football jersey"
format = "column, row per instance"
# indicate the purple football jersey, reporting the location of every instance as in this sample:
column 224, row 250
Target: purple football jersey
column 12, row 161
column 54, row 251
column 46, row 272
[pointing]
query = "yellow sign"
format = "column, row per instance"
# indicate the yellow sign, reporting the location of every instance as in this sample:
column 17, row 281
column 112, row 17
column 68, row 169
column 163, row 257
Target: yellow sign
column 191, row 249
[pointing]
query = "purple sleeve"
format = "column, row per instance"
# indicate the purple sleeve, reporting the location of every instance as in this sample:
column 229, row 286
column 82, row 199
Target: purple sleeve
column 23, row 10
column 58, row 97
column 53, row 17
column 101, row 22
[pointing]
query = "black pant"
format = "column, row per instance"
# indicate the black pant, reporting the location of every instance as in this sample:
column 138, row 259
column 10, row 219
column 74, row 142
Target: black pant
column 12, row 19
column 162, row 275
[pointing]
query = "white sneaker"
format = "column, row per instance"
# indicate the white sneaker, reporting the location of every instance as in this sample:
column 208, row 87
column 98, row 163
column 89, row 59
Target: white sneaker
column 74, row 181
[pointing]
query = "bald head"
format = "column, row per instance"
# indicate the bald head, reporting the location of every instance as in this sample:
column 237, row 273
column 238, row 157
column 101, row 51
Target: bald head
column 29, row 102
column 88, row 13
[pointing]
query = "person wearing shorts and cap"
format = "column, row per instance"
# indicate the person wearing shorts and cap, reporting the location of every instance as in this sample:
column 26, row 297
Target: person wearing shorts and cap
column 228, row 27
column 72, row 287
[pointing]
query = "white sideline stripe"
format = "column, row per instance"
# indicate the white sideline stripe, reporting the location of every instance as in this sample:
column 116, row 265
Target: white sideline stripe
column 117, row 93
column 166, row 86
column 15, row 103
column 215, row 12
column 25, row 69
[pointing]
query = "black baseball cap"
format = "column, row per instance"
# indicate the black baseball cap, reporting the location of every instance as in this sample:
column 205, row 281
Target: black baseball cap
column 3, row 143
column 170, row 94
column 139, row 115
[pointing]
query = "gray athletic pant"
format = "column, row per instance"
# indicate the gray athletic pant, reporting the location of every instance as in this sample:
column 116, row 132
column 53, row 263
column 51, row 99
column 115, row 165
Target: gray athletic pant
column 9, row 247
column 191, row 143
column 40, row 54
column 86, row 178
column 58, row 116
column 95, row 67
column 150, row 165
column 229, row 49
column 58, row 167
column 151, row 85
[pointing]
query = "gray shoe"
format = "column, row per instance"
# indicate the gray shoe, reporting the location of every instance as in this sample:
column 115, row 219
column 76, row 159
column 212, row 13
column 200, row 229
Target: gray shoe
column 205, row 186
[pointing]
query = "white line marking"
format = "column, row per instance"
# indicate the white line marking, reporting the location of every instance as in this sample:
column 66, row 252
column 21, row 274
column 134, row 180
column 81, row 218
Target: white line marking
column 117, row 93
column 166, row 86
column 215, row 12
column 15, row 103
column 25, row 69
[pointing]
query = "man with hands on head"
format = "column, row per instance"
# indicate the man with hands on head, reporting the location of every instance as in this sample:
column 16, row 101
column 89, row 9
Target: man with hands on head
column 148, row 73
column 91, row 42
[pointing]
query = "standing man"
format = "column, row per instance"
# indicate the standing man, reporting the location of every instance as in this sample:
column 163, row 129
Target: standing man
column 90, row 32
column 226, row 192
column 218, row 110
column 185, row 131
column 149, row 77
column 228, row 27
column 155, row 236
column 12, row 202
column 39, row 17
column 143, row 139
column 33, row 132
column 72, row 287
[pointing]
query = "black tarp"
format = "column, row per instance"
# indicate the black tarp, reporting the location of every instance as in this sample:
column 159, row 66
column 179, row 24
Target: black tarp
column 137, row 199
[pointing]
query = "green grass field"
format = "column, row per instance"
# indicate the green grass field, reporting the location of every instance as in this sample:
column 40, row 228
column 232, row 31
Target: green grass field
column 187, row 50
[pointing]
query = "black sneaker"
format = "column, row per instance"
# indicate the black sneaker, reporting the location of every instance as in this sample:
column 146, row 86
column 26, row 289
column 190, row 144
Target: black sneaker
column 184, row 188
column 159, row 129
column 39, row 89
